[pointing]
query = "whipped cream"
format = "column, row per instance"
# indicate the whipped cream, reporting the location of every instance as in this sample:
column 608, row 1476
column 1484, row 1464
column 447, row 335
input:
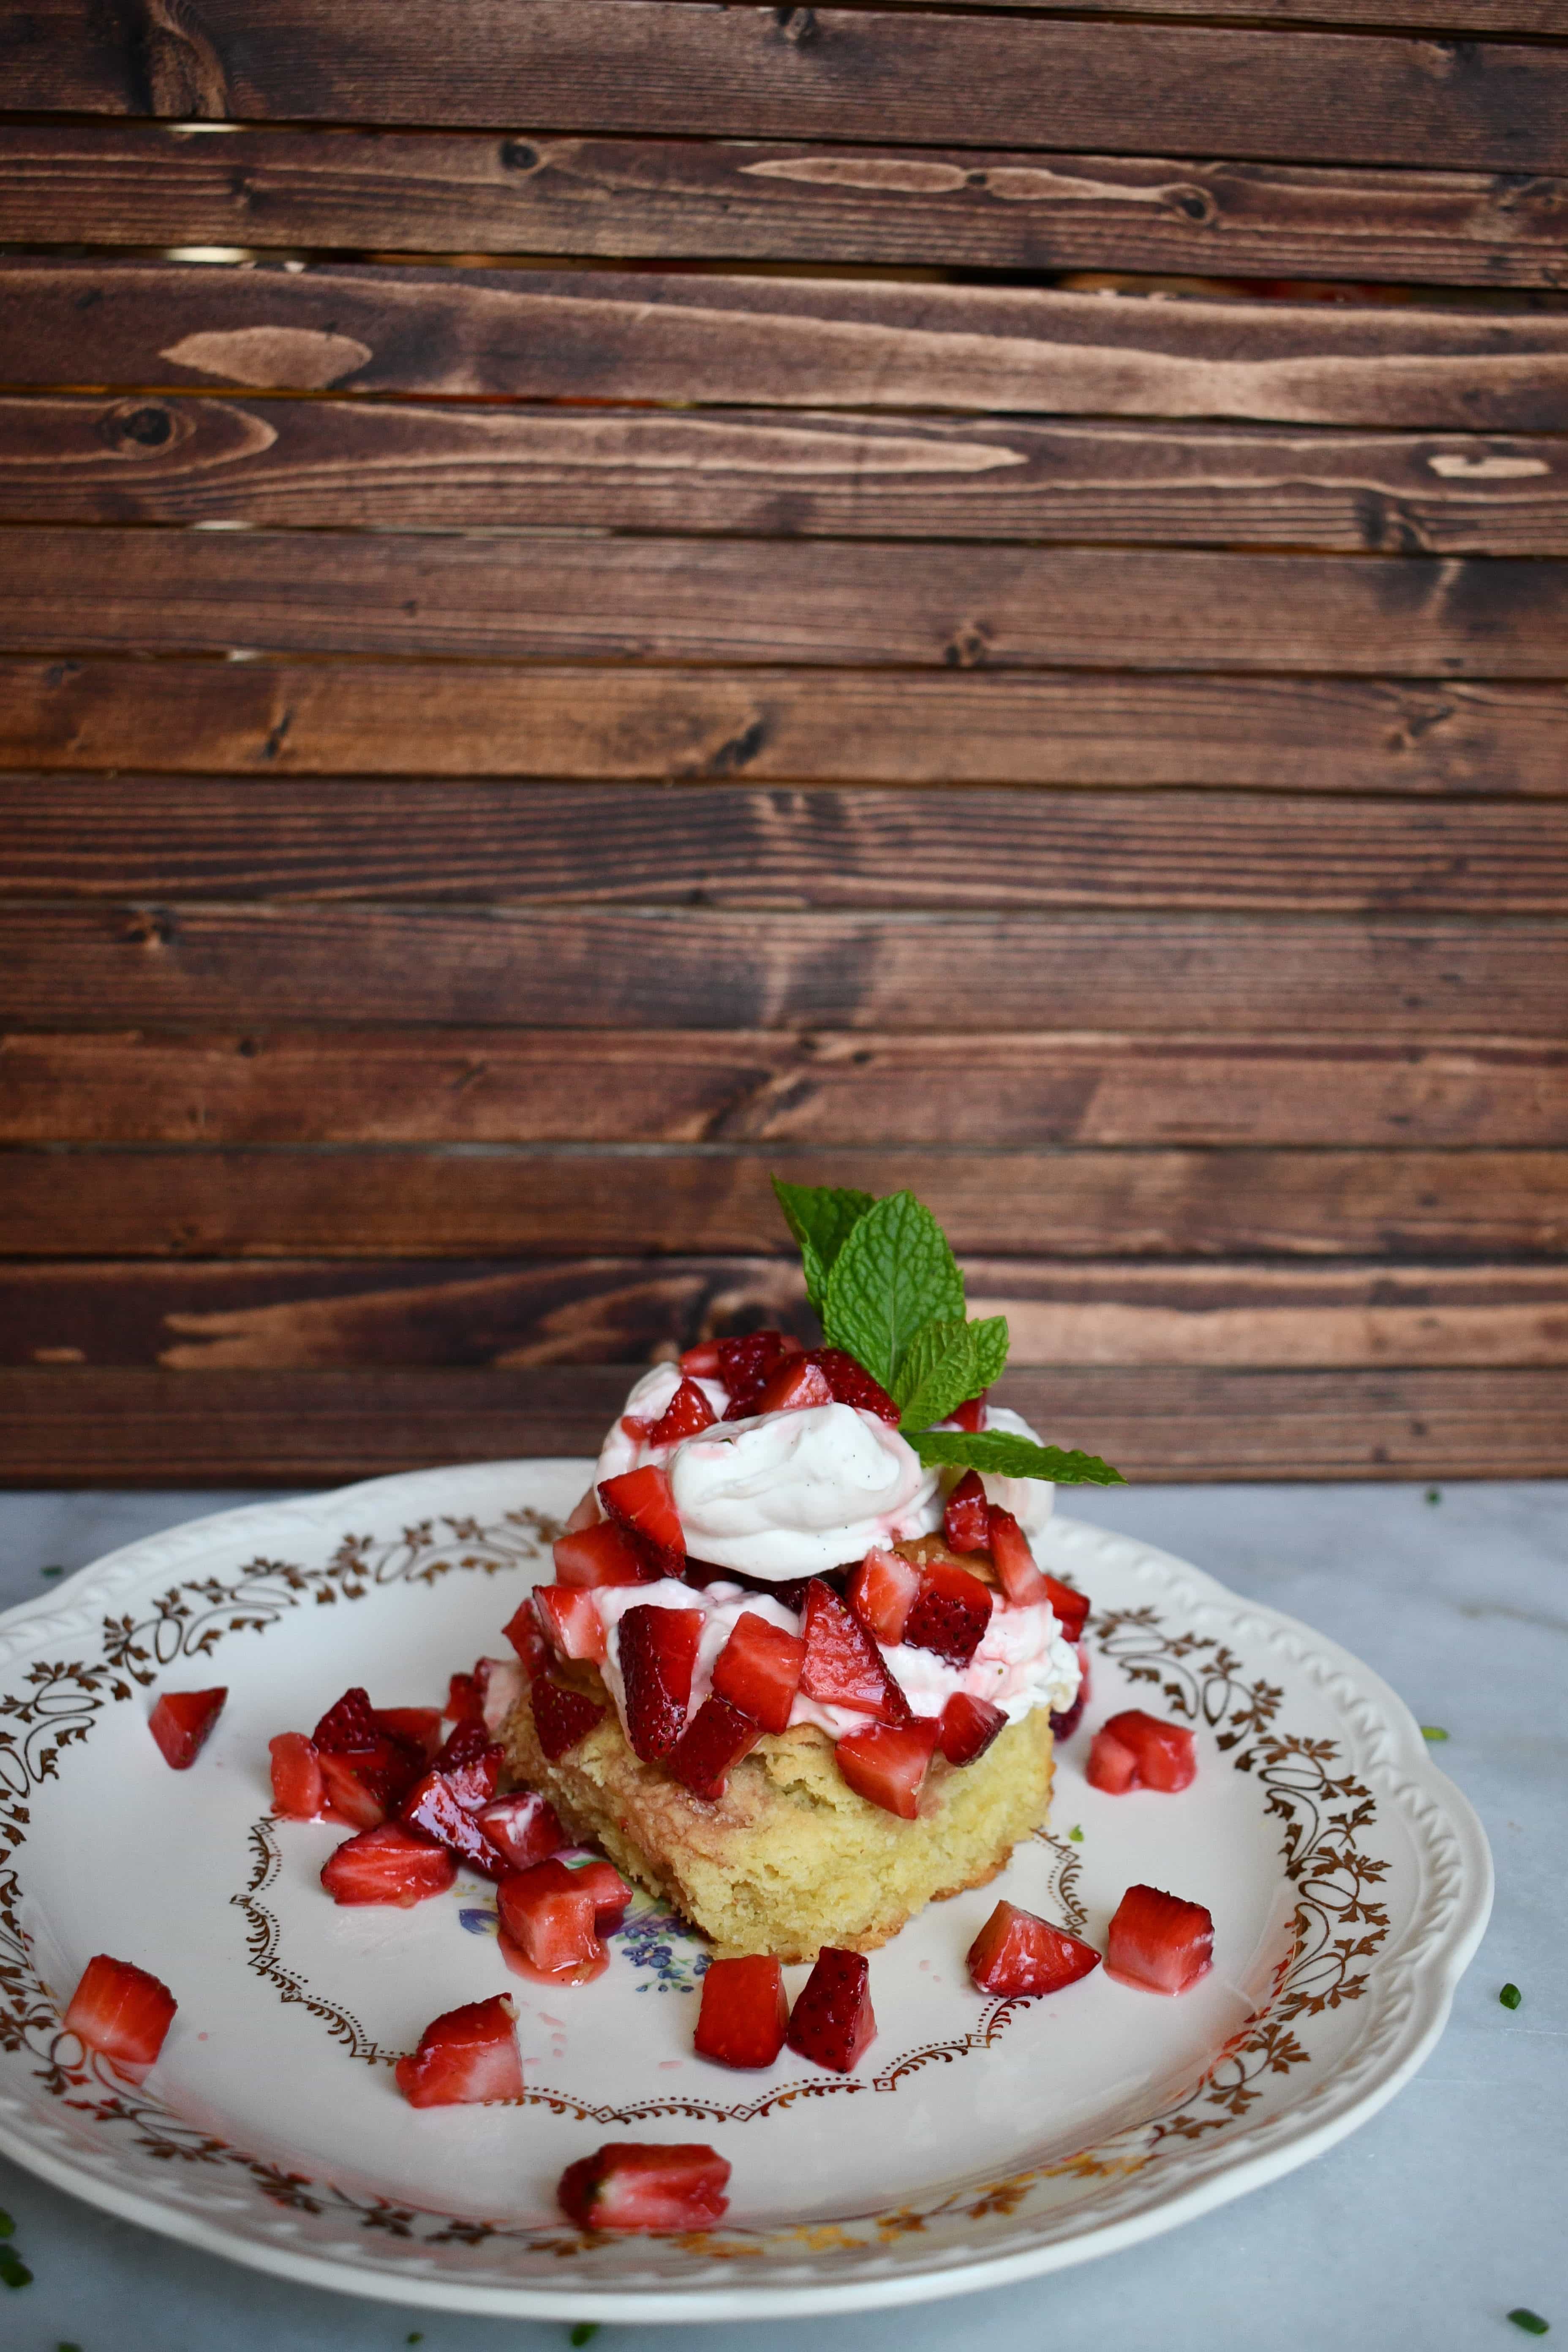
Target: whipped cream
column 1030, row 1500
column 791, row 1493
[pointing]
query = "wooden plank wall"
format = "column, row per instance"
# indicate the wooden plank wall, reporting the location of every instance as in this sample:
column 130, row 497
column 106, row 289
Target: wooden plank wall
column 601, row 595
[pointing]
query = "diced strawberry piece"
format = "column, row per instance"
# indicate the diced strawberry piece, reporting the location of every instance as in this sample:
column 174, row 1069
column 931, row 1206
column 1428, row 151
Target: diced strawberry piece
column 843, row 1666
column 121, row 2012
column 1017, row 1953
column 299, row 1792
column 637, row 1427
column 585, row 1513
column 526, row 1635
column 950, row 1613
column 604, row 1554
column 795, row 1387
column 744, row 2015
column 702, row 1362
column 717, row 1737
column 1164, row 1755
column 1021, row 1579
column 466, row 1744
column 628, row 2185
column 612, row 1896
column 687, row 1412
column 387, row 1864
column 658, row 1654
column 968, row 1727
column 746, row 1366
column 552, row 1917
column 758, row 1670
column 881, row 1592
column 561, row 1718
column 463, row 1701
column 571, row 1624
column 1159, row 1942
column 1111, row 1767
column 500, row 1685
column 347, row 1794
column 349, row 1727
column 887, row 1764
column 180, row 1721
column 467, row 2057
column 523, row 1828
column 833, row 2024
column 851, row 1383
column 416, row 1728
column 966, row 1522
column 1069, row 1607
column 443, row 1805
column 640, row 1501
column 1066, row 1723
column 970, row 1415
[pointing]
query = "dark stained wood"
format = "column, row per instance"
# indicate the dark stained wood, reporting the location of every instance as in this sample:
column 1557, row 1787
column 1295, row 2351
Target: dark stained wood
column 1415, row 1205
column 540, row 192
column 1496, row 16
column 716, row 846
column 859, row 1089
column 304, row 1315
column 823, row 73
column 312, row 717
column 1394, row 978
column 824, row 603
column 319, row 463
column 685, row 337
column 113, row 1428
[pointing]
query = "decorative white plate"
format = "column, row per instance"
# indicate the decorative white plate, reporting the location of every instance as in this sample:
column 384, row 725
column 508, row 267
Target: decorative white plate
column 981, row 2140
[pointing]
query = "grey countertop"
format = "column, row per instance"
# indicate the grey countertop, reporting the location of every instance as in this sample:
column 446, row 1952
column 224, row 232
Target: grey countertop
column 1423, row 2230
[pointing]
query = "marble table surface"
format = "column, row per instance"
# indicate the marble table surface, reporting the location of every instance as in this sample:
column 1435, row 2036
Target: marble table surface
column 1423, row 2230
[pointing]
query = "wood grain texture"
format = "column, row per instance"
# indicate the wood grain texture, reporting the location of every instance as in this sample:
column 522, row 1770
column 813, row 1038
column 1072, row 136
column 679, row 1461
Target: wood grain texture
column 666, row 65
column 1415, row 1205
column 858, row 1090
column 730, row 847
column 687, row 337
column 1496, row 16
column 338, row 463
column 301, row 1315
column 820, row 602
column 320, row 717
column 114, row 1428
column 539, row 193
column 1415, row 980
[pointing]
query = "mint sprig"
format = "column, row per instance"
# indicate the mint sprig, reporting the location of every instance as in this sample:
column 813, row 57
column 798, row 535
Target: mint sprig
column 893, row 1275
column 821, row 1217
column 1008, row 1455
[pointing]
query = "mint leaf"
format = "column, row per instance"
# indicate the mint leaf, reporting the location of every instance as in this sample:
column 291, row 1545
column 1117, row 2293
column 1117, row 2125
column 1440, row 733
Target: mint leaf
column 1011, row 1456
column 893, row 1273
column 936, row 1373
column 821, row 1218
column 990, row 1338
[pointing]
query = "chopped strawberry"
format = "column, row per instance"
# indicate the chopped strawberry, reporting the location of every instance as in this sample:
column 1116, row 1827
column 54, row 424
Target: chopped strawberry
column 744, row 2015
column 717, row 1737
column 571, row 1624
column 500, row 1685
column 552, row 1917
column 444, row 1805
column 758, row 1670
column 585, row 1513
column 1112, row 1767
column 950, row 1613
column 523, row 1829
column 418, row 1728
column 561, row 1718
column 850, row 1383
column 881, row 1592
column 797, row 1385
column 387, row 1864
column 1158, row 1942
column 628, row 2185
column 746, row 1366
column 351, row 1799
column 968, row 1727
column 467, row 2057
column 1017, row 1953
column 1069, row 1607
column 970, row 1415
column 463, row 1702
column 349, row 1726
column 1164, row 1755
column 640, row 1502
column 833, row 2022
column 297, row 1789
column 843, row 1666
column 467, row 1744
column 887, row 1764
column 180, row 1721
column 637, row 1427
column 966, row 1522
column 1065, row 1723
column 526, row 1635
column 612, row 1896
column 121, row 2012
column 687, row 1412
column 603, row 1554
column 658, row 1654
column 702, row 1362
column 1021, row 1579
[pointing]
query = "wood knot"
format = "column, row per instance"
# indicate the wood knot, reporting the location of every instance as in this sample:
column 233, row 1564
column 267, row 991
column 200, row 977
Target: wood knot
column 1194, row 204
column 150, row 927
column 796, row 25
column 967, row 648
column 137, row 425
column 519, row 156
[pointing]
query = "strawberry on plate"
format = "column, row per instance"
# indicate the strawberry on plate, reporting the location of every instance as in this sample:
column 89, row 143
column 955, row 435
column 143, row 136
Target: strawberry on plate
column 500, row 1683
column 744, row 2015
column 445, row 1805
column 1111, row 1767
column 966, row 1522
column 349, row 1726
column 887, row 1763
column 843, row 1666
column 464, row 1704
column 833, row 2022
column 602, row 1554
column 612, row 1896
column 299, row 1792
column 883, row 1592
column 387, row 1865
column 1135, row 1750
column 659, row 1655
column 758, row 1670
column 523, row 1828
column 418, row 1728
column 630, row 2185
column 716, row 1738
column 551, row 1913
column 121, row 2012
column 466, row 2057
column 562, row 1717
column 1159, row 1942
column 968, row 1727
column 181, row 1722
column 640, row 1502
column 950, row 1614
column 1017, row 1953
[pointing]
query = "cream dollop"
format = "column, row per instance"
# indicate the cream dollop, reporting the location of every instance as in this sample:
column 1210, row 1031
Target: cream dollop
column 791, row 1494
